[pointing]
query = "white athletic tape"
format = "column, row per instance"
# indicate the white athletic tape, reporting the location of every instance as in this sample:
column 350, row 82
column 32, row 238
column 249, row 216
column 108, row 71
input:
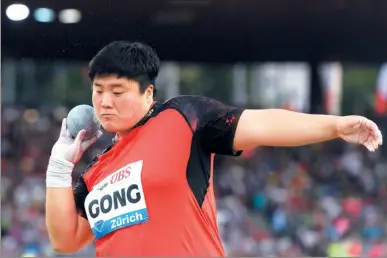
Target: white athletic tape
column 59, row 173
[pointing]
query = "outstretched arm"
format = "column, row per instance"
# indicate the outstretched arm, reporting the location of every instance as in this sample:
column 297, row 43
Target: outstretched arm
column 278, row 127
column 228, row 130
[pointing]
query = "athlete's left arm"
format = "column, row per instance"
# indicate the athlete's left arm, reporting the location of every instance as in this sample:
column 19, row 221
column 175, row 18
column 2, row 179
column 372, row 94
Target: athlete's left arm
column 279, row 127
column 228, row 128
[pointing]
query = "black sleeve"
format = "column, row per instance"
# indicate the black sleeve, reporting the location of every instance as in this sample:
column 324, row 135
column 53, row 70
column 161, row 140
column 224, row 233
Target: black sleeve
column 213, row 121
column 80, row 193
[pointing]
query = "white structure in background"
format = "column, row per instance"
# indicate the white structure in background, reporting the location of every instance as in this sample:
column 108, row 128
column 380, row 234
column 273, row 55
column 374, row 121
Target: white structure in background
column 278, row 85
column 381, row 90
column 332, row 82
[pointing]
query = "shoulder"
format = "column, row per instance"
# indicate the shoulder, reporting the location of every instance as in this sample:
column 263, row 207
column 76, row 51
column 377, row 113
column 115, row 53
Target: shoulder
column 193, row 107
column 190, row 108
column 201, row 110
column 189, row 100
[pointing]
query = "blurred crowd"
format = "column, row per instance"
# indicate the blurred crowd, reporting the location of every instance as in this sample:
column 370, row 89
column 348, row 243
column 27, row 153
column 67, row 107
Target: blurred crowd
column 320, row 200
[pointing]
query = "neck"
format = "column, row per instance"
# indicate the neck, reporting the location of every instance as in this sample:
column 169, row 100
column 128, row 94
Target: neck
column 143, row 116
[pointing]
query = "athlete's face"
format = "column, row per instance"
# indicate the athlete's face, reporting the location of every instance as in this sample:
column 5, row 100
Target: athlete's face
column 119, row 103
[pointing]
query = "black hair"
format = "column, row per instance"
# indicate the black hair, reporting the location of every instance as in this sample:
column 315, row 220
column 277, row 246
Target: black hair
column 133, row 60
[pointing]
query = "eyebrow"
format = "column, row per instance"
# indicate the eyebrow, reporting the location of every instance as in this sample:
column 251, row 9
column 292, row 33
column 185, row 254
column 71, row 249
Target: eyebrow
column 114, row 85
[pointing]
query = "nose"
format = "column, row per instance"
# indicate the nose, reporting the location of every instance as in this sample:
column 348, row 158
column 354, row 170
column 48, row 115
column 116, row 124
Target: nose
column 107, row 100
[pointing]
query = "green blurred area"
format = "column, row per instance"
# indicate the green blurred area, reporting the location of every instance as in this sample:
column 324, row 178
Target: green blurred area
column 52, row 83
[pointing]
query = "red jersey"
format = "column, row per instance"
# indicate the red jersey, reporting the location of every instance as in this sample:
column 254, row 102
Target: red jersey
column 151, row 192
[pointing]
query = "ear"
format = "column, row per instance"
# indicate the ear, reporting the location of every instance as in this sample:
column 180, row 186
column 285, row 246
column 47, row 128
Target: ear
column 149, row 91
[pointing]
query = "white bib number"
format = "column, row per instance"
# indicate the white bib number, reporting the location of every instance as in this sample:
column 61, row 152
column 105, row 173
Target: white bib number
column 117, row 201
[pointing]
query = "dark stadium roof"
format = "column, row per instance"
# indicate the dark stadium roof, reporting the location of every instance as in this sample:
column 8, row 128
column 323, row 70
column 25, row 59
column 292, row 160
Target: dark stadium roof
column 209, row 30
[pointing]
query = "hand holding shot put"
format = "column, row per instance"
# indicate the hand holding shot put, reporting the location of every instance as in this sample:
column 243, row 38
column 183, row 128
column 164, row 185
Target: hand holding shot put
column 79, row 131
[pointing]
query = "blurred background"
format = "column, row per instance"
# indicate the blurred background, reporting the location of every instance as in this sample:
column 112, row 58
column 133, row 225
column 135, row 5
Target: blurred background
column 309, row 56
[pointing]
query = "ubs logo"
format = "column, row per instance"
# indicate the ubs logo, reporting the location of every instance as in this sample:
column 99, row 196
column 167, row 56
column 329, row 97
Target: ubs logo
column 121, row 174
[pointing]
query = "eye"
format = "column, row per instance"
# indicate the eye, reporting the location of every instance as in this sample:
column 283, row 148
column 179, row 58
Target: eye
column 97, row 90
column 117, row 93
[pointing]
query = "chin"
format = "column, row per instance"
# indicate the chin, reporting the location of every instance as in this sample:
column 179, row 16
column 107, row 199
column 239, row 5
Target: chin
column 110, row 127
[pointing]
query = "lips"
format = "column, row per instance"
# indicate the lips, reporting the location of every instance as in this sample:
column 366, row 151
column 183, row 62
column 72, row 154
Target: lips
column 107, row 115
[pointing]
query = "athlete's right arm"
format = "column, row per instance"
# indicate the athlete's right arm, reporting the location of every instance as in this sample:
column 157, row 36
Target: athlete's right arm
column 67, row 230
